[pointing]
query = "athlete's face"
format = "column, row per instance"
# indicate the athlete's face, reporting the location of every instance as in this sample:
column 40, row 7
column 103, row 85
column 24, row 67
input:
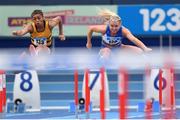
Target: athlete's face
column 38, row 19
column 114, row 26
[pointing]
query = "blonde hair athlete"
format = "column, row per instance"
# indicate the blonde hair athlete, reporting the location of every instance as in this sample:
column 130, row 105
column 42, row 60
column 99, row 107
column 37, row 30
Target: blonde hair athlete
column 112, row 34
column 41, row 32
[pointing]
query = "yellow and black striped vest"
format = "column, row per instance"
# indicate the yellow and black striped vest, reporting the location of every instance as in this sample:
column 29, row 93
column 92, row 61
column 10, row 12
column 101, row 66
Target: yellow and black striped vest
column 41, row 36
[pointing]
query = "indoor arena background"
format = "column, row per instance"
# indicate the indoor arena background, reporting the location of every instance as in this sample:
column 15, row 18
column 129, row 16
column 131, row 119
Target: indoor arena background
column 148, row 20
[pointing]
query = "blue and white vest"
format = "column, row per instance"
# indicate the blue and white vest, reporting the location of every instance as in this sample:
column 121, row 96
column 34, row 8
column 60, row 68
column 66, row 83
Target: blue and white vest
column 112, row 41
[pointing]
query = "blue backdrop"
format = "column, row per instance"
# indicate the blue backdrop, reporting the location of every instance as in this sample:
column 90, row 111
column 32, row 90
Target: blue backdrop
column 151, row 19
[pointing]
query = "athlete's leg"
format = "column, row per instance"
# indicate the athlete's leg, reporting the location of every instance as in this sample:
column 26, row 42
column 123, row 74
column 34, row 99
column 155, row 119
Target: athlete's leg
column 43, row 50
column 32, row 50
column 132, row 49
column 23, row 55
column 105, row 52
column 40, row 50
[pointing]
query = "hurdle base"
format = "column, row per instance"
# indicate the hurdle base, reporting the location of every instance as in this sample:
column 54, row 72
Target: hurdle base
column 98, row 109
column 155, row 107
column 10, row 107
column 32, row 110
column 168, row 108
column 20, row 108
column 72, row 107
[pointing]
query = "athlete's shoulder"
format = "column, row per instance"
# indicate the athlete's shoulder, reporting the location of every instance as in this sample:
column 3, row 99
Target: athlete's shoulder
column 124, row 29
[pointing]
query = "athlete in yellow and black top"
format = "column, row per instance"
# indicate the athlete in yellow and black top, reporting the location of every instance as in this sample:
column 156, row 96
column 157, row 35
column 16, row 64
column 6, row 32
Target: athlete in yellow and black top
column 44, row 37
column 41, row 31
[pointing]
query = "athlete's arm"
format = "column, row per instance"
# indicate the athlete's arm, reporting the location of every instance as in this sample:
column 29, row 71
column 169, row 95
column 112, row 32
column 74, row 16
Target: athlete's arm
column 96, row 28
column 27, row 29
column 57, row 21
column 135, row 40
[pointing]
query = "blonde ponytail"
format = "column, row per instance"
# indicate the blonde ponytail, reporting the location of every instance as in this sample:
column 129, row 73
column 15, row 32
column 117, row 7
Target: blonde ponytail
column 108, row 15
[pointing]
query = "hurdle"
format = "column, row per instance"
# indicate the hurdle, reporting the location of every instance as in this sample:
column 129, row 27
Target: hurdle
column 2, row 91
column 87, row 95
column 171, row 98
column 88, row 104
column 4, row 88
column 160, row 88
column 122, row 92
column 172, row 93
column 102, row 94
column 1, row 94
column 76, row 92
column 166, row 81
column 172, row 89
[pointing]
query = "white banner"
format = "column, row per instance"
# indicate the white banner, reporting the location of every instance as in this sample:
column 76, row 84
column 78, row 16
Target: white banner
column 75, row 18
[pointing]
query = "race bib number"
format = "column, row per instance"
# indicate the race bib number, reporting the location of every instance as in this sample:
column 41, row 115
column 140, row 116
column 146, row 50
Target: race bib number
column 40, row 41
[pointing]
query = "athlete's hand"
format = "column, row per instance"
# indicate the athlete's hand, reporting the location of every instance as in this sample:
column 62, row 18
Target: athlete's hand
column 88, row 45
column 15, row 33
column 62, row 37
